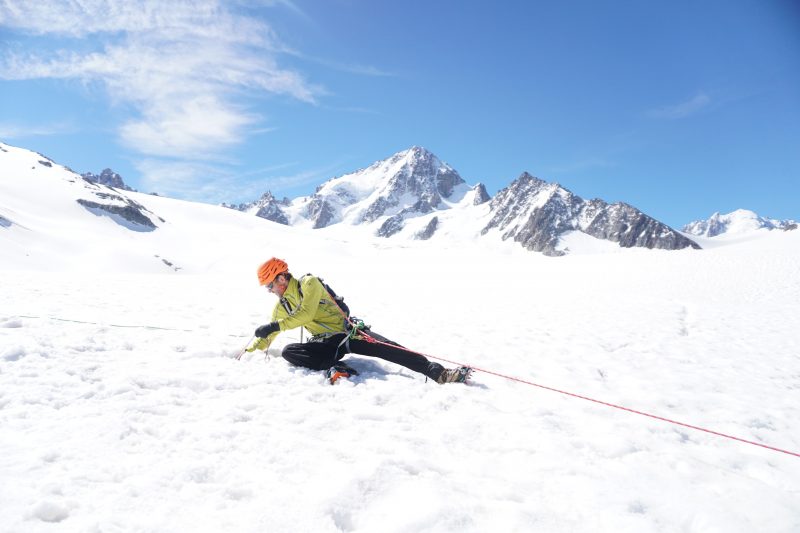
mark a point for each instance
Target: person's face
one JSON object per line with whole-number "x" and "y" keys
{"x": 278, "y": 285}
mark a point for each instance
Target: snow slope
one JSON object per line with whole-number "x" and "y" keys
{"x": 121, "y": 408}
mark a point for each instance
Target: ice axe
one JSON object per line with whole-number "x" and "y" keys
{"x": 239, "y": 355}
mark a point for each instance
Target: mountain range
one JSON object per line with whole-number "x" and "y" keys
{"x": 412, "y": 195}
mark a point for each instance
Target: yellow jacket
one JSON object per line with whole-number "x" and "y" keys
{"x": 305, "y": 303}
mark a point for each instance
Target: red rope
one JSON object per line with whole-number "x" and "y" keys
{"x": 615, "y": 406}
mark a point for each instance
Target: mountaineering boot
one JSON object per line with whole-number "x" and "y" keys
{"x": 455, "y": 375}
{"x": 340, "y": 370}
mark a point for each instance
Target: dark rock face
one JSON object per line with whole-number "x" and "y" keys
{"x": 630, "y": 227}
{"x": 376, "y": 210}
{"x": 272, "y": 212}
{"x": 131, "y": 211}
{"x": 107, "y": 177}
{"x": 269, "y": 209}
{"x": 481, "y": 196}
{"x": 536, "y": 214}
{"x": 391, "y": 226}
{"x": 539, "y": 229}
{"x": 320, "y": 211}
{"x": 429, "y": 230}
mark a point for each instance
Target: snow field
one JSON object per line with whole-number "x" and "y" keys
{"x": 108, "y": 428}
{"x": 121, "y": 408}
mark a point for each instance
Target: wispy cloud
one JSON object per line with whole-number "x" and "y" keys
{"x": 681, "y": 110}
{"x": 361, "y": 70}
{"x": 349, "y": 68}
{"x": 19, "y": 131}
{"x": 269, "y": 179}
{"x": 210, "y": 182}
{"x": 289, "y": 181}
{"x": 181, "y": 66}
{"x": 286, "y": 3}
{"x": 182, "y": 179}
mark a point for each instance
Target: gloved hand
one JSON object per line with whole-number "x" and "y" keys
{"x": 265, "y": 330}
{"x": 260, "y": 344}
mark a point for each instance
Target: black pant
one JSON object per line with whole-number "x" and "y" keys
{"x": 322, "y": 355}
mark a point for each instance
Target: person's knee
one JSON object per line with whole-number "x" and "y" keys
{"x": 293, "y": 353}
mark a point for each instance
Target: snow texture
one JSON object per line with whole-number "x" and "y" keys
{"x": 122, "y": 407}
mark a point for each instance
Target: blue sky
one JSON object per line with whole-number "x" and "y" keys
{"x": 680, "y": 108}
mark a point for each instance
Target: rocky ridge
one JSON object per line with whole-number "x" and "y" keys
{"x": 267, "y": 207}
{"x": 537, "y": 214}
{"x": 414, "y": 183}
{"x": 108, "y": 178}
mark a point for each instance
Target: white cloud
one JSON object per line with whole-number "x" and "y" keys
{"x": 180, "y": 178}
{"x": 209, "y": 18}
{"x": 683, "y": 109}
{"x": 189, "y": 128}
{"x": 181, "y": 66}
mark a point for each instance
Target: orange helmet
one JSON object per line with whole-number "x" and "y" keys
{"x": 270, "y": 270}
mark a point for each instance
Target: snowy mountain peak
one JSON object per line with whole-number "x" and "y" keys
{"x": 406, "y": 184}
{"x": 529, "y": 179}
{"x": 417, "y": 171}
{"x": 481, "y": 195}
{"x": 736, "y": 222}
{"x": 55, "y": 196}
{"x": 416, "y": 153}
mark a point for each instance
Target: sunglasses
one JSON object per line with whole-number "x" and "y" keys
{"x": 272, "y": 284}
